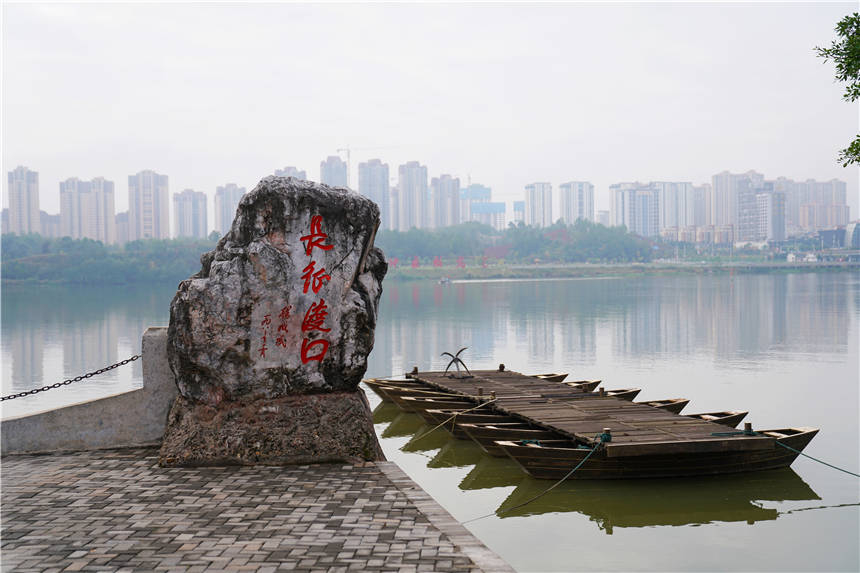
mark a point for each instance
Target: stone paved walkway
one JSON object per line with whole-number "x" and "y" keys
{"x": 117, "y": 510}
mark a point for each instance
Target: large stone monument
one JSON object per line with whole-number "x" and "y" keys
{"x": 269, "y": 341}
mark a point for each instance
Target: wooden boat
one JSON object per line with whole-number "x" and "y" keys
{"x": 730, "y": 418}
{"x": 674, "y": 405}
{"x": 555, "y": 459}
{"x": 625, "y": 394}
{"x": 414, "y": 404}
{"x": 584, "y": 385}
{"x": 551, "y": 377}
{"x": 487, "y": 434}
{"x": 379, "y": 387}
{"x": 451, "y": 419}
{"x": 480, "y": 416}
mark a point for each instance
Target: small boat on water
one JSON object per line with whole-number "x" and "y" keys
{"x": 674, "y": 405}
{"x": 555, "y": 459}
{"x": 416, "y": 403}
{"x": 551, "y": 377}
{"x": 730, "y": 418}
{"x": 486, "y": 435}
{"x": 584, "y": 385}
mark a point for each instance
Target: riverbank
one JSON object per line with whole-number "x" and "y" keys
{"x": 586, "y": 270}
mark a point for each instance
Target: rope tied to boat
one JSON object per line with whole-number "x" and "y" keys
{"x": 778, "y": 443}
{"x": 452, "y": 419}
{"x": 600, "y": 442}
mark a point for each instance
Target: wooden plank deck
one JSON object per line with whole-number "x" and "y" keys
{"x": 637, "y": 429}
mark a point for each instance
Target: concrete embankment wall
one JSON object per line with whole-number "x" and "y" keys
{"x": 132, "y": 418}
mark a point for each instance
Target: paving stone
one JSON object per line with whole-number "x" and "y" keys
{"x": 118, "y": 511}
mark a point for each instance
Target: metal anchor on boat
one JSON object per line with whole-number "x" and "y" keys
{"x": 457, "y": 362}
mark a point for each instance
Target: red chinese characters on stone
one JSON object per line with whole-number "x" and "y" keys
{"x": 316, "y": 236}
{"x": 308, "y": 345}
{"x": 314, "y": 280}
{"x": 267, "y": 320}
{"x": 313, "y": 320}
{"x": 284, "y": 315}
{"x": 315, "y": 316}
{"x": 314, "y": 349}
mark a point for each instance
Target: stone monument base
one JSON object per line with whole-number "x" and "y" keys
{"x": 299, "y": 429}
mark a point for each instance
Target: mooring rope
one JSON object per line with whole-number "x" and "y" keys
{"x": 817, "y": 460}
{"x": 431, "y": 430}
{"x": 546, "y": 491}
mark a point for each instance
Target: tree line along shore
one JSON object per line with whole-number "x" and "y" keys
{"x": 467, "y": 251}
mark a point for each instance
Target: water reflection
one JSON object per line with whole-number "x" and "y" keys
{"x": 50, "y": 333}
{"x": 675, "y": 502}
{"x": 733, "y": 318}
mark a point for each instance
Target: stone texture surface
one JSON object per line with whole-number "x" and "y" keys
{"x": 282, "y": 312}
{"x": 288, "y": 430}
{"x": 119, "y": 511}
{"x": 218, "y": 318}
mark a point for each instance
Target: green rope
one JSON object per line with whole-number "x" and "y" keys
{"x": 546, "y": 491}
{"x": 778, "y": 443}
{"x": 817, "y": 460}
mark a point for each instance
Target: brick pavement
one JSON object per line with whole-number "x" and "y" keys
{"x": 117, "y": 510}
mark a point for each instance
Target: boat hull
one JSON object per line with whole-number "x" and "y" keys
{"x": 556, "y": 462}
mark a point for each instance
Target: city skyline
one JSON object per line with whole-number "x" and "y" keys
{"x": 734, "y": 207}
{"x": 667, "y": 98}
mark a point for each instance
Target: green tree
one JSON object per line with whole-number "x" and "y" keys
{"x": 845, "y": 53}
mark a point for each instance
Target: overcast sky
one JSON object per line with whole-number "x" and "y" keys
{"x": 505, "y": 94}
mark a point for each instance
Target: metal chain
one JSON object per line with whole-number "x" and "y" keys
{"x": 70, "y": 380}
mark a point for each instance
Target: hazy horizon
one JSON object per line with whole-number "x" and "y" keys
{"x": 502, "y": 94}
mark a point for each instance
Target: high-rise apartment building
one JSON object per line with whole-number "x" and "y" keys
{"x": 770, "y": 209}
{"x": 576, "y": 201}
{"x": 373, "y": 184}
{"x": 724, "y": 195}
{"x": 189, "y": 214}
{"x": 444, "y": 201}
{"x": 227, "y": 198}
{"x": 394, "y": 210}
{"x": 23, "y": 202}
{"x": 813, "y": 205}
{"x": 148, "y": 206}
{"x": 676, "y": 204}
{"x": 412, "y": 187}
{"x": 87, "y": 210}
{"x": 701, "y": 205}
{"x": 470, "y": 195}
{"x": 333, "y": 171}
{"x": 489, "y": 213}
{"x": 637, "y": 207}
{"x": 290, "y": 171}
{"x": 538, "y": 205}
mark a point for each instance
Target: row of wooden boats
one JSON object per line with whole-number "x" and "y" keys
{"x": 702, "y": 444}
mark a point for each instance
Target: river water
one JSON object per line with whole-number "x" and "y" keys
{"x": 784, "y": 347}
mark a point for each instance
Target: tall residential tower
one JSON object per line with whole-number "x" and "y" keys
{"x": 148, "y": 206}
